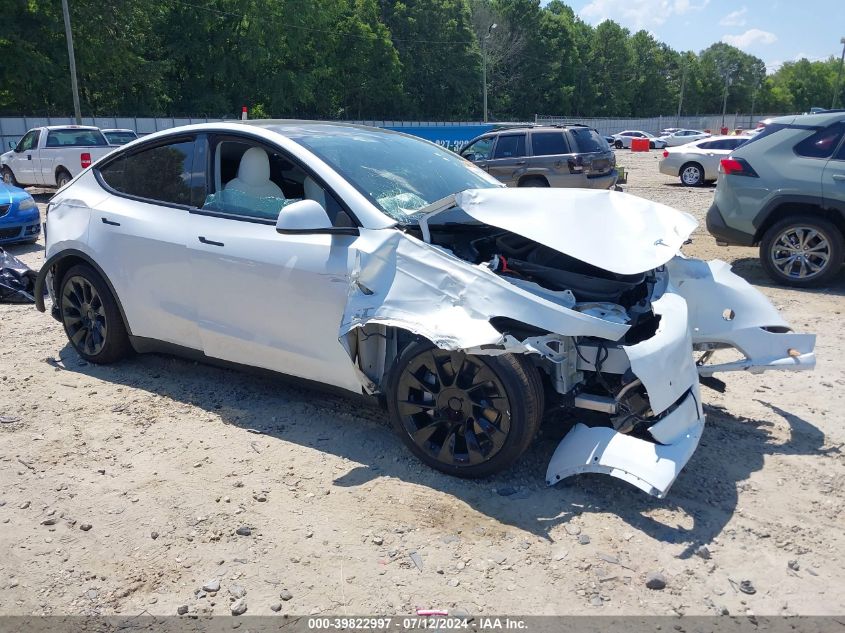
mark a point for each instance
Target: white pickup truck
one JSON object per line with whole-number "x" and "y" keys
{"x": 52, "y": 156}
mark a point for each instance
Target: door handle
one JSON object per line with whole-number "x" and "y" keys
{"x": 109, "y": 222}
{"x": 209, "y": 242}
{"x": 839, "y": 177}
{"x": 29, "y": 156}
{"x": 519, "y": 162}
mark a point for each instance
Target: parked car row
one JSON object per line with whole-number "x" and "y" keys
{"x": 671, "y": 137}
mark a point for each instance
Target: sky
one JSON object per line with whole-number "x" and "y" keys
{"x": 776, "y": 31}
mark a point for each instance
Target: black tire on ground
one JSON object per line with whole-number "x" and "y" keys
{"x": 534, "y": 181}
{"x": 472, "y": 416}
{"x": 651, "y": 144}
{"x": 691, "y": 174}
{"x": 91, "y": 317}
{"x": 62, "y": 178}
{"x": 9, "y": 177}
{"x": 802, "y": 251}
{"x": 618, "y": 145}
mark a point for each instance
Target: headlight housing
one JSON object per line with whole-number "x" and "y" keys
{"x": 28, "y": 203}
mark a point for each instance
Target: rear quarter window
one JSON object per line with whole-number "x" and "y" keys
{"x": 548, "y": 143}
{"x": 588, "y": 141}
{"x": 821, "y": 144}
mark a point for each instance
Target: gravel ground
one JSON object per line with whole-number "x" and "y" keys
{"x": 128, "y": 488}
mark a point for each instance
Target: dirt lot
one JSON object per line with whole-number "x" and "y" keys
{"x": 163, "y": 460}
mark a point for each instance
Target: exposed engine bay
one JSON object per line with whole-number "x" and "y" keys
{"x": 582, "y": 374}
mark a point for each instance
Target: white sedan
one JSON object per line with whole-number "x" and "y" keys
{"x": 698, "y": 162}
{"x": 682, "y": 137}
{"x": 376, "y": 262}
{"x": 623, "y": 139}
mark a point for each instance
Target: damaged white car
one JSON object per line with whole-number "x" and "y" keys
{"x": 370, "y": 260}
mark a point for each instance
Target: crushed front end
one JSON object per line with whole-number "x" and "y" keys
{"x": 613, "y": 319}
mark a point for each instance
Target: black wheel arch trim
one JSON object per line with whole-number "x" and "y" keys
{"x": 763, "y": 215}
{"x": 51, "y": 263}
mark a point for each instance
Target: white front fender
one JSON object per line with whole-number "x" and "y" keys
{"x": 725, "y": 311}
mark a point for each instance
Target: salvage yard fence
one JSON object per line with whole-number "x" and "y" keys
{"x": 655, "y": 125}
{"x": 451, "y": 134}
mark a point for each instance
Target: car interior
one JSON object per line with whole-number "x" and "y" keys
{"x": 252, "y": 181}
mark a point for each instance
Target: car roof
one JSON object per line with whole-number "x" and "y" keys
{"x": 70, "y": 127}
{"x": 117, "y": 129}
{"x": 821, "y": 119}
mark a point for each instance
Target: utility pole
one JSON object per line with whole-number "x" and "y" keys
{"x": 839, "y": 75}
{"x": 728, "y": 72}
{"x": 70, "y": 55}
{"x": 681, "y": 98}
{"x": 484, "y": 65}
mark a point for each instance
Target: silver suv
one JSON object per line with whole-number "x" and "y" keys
{"x": 784, "y": 190}
{"x": 567, "y": 156}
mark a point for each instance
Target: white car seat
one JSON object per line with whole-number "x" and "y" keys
{"x": 254, "y": 176}
{"x": 313, "y": 191}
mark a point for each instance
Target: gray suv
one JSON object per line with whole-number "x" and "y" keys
{"x": 784, "y": 190}
{"x": 566, "y": 156}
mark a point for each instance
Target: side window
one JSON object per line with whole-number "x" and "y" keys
{"x": 29, "y": 141}
{"x": 254, "y": 181}
{"x": 482, "y": 148}
{"x": 548, "y": 143}
{"x": 710, "y": 145}
{"x": 160, "y": 173}
{"x": 510, "y": 146}
{"x": 822, "y": 143}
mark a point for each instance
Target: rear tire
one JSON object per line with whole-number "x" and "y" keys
{"x": 792, "y": 248}
{"x": 9, "y": 177}
{"x": 62, "y": 178}
{"x": 464, "y": 415}
{"x": 692, "y": 175}
{"x": 534, "y": 182}
{"x": 91, "y": 317}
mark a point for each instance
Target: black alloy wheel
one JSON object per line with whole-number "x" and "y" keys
{"x": 462, "y": 414}
{"x": 91, "y": 318}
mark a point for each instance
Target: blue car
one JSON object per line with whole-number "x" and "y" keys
{"x": 20, "y": 220}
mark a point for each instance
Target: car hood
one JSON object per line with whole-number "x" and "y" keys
{"x": 9, "y": 194}
{"x": 614, "y": 231}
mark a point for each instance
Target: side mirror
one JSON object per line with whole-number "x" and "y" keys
{"x": 13, "y": 146}
{"x": 308, "y": 217}
{"x": 471, "y": 157}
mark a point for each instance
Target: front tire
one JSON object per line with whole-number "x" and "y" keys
{"x": 9, "y": 177}
{"x": 802, "y": 251}
{"x": 91, "y": 317}
{"x": 618, "y": 145}
{"x": 464, "y": 415}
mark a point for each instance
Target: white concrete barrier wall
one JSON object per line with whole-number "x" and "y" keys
{"x": 13, "y": 128}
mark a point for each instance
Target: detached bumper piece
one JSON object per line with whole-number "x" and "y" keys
{"x": 650, "y": 466}
{"x": 726, "y": 312}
